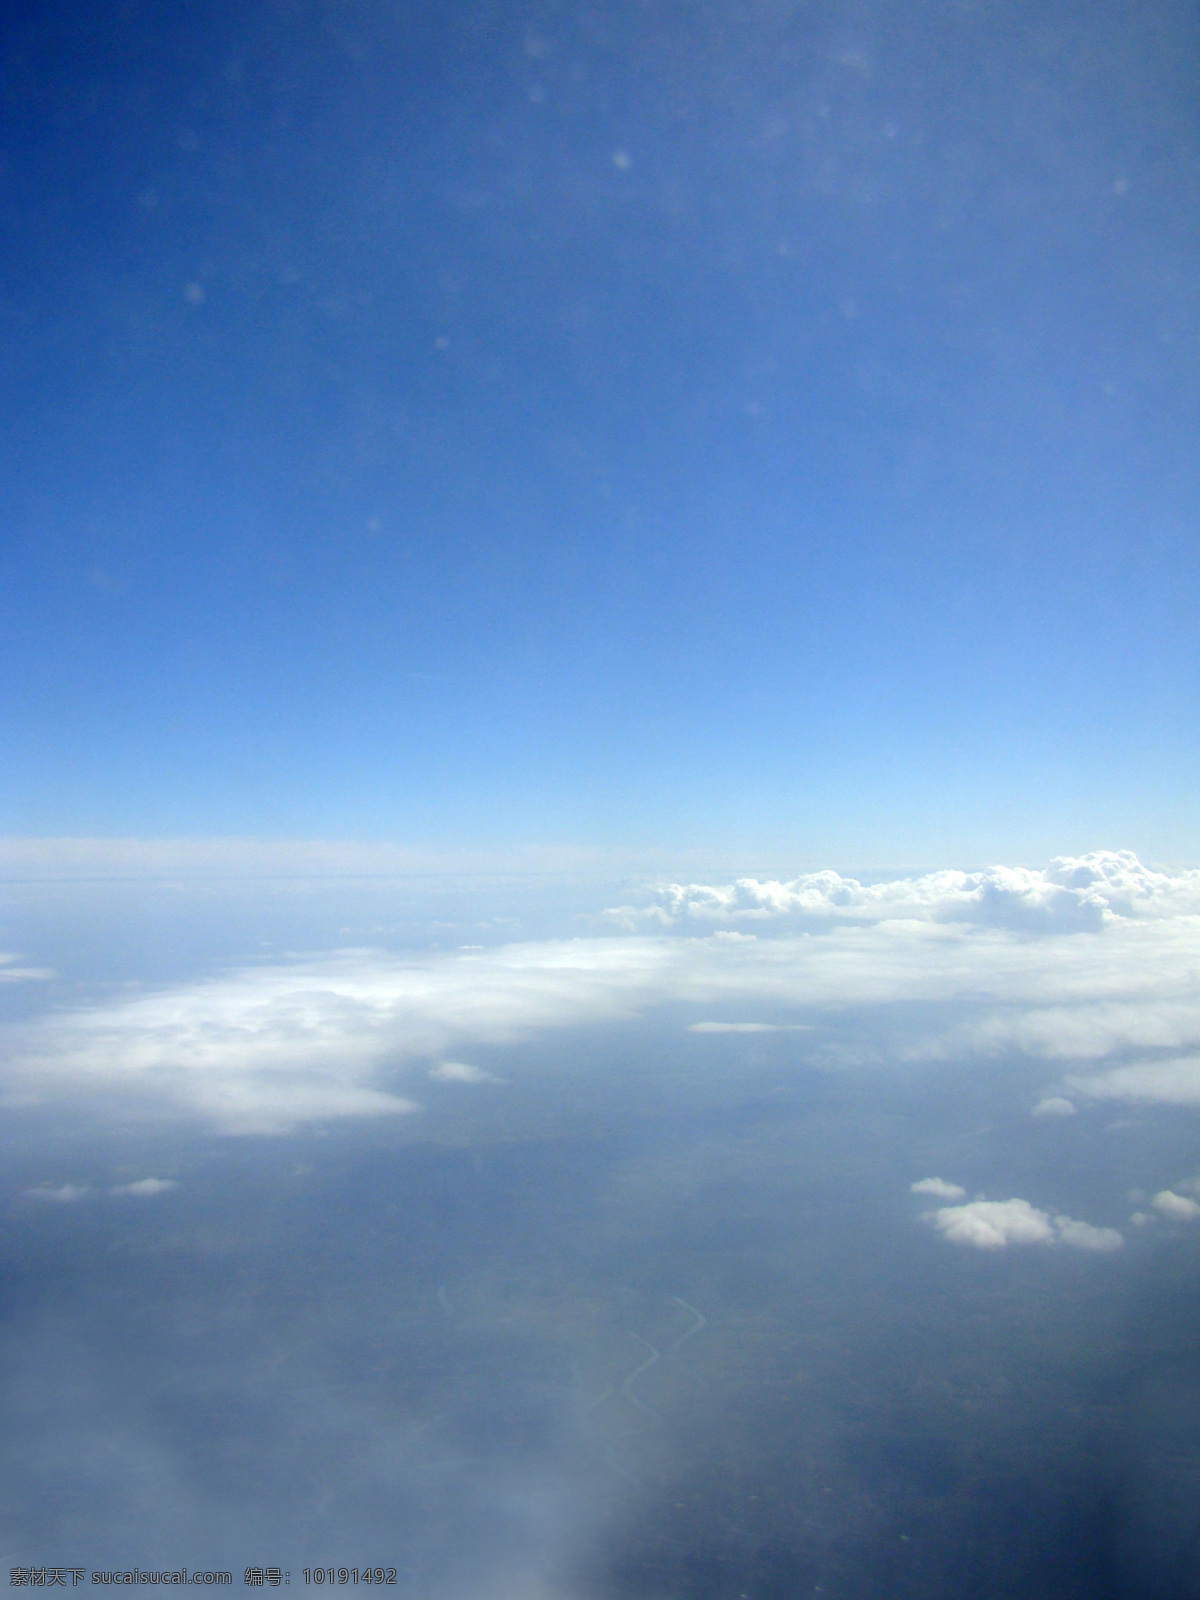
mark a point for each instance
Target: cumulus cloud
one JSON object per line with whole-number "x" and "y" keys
{"x": 993, "y": 1224}
{"x": 269, "y": 1047}
{"x": 996, "y": 1224}
{"x": 1089, "y": 961}
{"x": 64, "y": 1194}
{"x": 145, "y": 1188}
{"x": 1072, "y": 893}
{"x": 1082, "y": 1235}
{"x": 938, "y": 1187}
{"x": 1054, "y": 1105}
{"x": 1176, "y": 1206}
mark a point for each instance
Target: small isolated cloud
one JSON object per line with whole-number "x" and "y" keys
{"x": 938, "y": 1187}
{"x": 145, "y": 1187}
{"x": 1141, "y": 1218}
{"x": 460, "y": 1072}
{"x": 63, "y": 1195}
{"x": 1176, "y": 1206}
{"x": 749, "y": 1027}
{"x": 1053, "y": 1105}
{"x": 1082, "y": 1235}
{"x": 995, "y": 1224}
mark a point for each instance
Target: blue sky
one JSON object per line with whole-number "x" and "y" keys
{"x": 753, "y": 427}
{"x": 498, "y": 499}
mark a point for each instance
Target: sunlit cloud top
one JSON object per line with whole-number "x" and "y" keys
{"x": 1073, "y": 892}
{"x": 1098, "y": 986}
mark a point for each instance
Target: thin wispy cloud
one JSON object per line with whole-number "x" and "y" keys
{"x": 748, "y": 1027}
{"x": 68, "y": 1193}
{"x": 12, "y": 972}
{"x": 144, "y": 1188}
{"x": 460, "y": 1072}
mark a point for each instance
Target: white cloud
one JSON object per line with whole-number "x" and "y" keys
{"x": 1090, "y": 1026}
{"x": 63, "y": 1195}
{"x": 1173, "y": 1082}
{"x": 1053, "y": 1105}
{"x": 938, "y": 1187}
{"x": 269, "y": 1047}
{"x": 460, "y": 1072}
{"x": 145, "y": 1188}
{"x": 1082, "y": 1235}
{"x": 1073, "y": 893}
{"x": 995, "y": 1224}
{"x": 1176, "y": 1206}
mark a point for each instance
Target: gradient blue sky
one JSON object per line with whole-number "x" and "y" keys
{"x": 749, "y": 425}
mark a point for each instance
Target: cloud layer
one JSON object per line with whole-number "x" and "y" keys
{"x": 1090, "y": 966}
